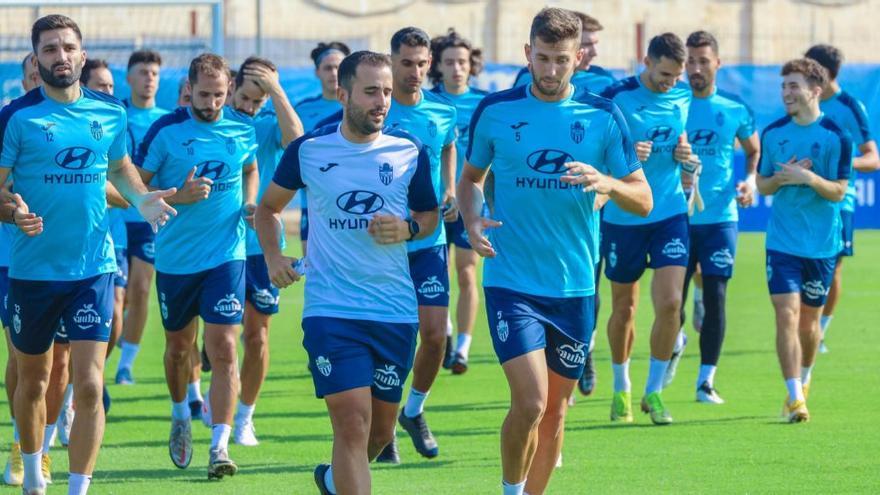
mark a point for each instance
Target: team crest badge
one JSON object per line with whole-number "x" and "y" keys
{"x": 97, "y": 130}
{"x": 577, "y": 132}
{"x": 386, "y": 173}
{"x": 719, "y": 119}
{"x": 323, "y": 365}
{"x": 815, "y": 150}
{"x": 432, "y": 128}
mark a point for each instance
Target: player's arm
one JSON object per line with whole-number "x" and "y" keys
{"x": 631, "y": 192}
{"x": 114, "y": 198}
{"x": 423, "y": 206}
{"x": 250, "y": 184}
{"x": 288, "y": 121}
{"x": 470, "y": 200}
{"x": 448, "y": 160}
{"x": 14, "y": 210}
{"x": 745, "y": 190}
{"x": 267, "y": 222}
{"x": 868, "y": 159}
{"x": 151, "y": 204}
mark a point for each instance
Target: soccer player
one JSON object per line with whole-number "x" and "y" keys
{"x": 61, "y": 144}
{"x": 143, "y": 78}
{"x": 806, "y": 161}
{"x": 327, "y": 57}
{"x": 14, "y": 472}
{"x": 256, "y": 82}
{"x": 655, "y": 105}
{"x": 200, "y": 256}
{"x": 587, "y": 74}
{"x": 370, "y": 191}
{"x": 571, "y": 146}
{"x": 451, "y": 70}
{"x": 716, "y": 120}
{"x": 849, "y": 114}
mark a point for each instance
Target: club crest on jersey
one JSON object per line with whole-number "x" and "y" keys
{"x": 675, "y": 249}
{"x": 230, "y": 146}
{"x": 228, "y": 306}
{"x": 502, "y": 328}
{"x": 431, "y": 288}
{"x": 577, "y": 131}
{"x": 16, "y": 319}
{"x": 386, "y": 377}
{"x": 86, "y": 317}
{"x": 432, "y": 129}
{"x": 571, "y": 356}
{"x": 722, "y": 258}
{"x": 814, "y": 289}
{"x": 97, "y": 130}
{"x": 162, "y": 306}
{"x": 719, "y": 118}
{"x": 386, "y": 173}
{"x": 323, "y": 365}
{"x": 815, "y": 150}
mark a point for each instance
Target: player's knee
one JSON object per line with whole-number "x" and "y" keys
{"x": 88, "y": 392}
{"x": 434, "y": 339}
{"x": 528, "y": 412}
{"x": 467, "y": 276}
{"x": 668, "y": 305}
{"x": 352, "y": 426}
{"x": 623, "y": 309}
{"x": 138, "y": 289}
{"x": 257, "y": 340}
{"x": 381, "y": 437}
{"x": 178, "y": 350}
{"x": 223, "y": 355}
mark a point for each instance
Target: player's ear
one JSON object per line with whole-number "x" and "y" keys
{"x": 527, "y": 49}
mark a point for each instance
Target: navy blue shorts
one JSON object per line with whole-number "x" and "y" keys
{"x": 521, "y": 323}
{"x": 848, "y": 233}
{"x": 304, "y": 225}
{"x": 456, "y": 233}
{"x": 348, "y": 354}
{"x": 216, "y": 295}
{"x": 713, "y": 246}
{"x": 120, "y": 279}
{"x": 141, "y": 241}
{"x": 630, "y": 249}
{"x": 4, "y": 295}
{"x": 787, "y": 274}
{"x": 84, "y": 308}
{"x": 258, "y": 289}
{"x": 429, "y": 270}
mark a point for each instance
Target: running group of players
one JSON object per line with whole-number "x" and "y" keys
{"x": 547, "y": 181}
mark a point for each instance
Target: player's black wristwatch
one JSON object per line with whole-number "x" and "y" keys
{"x": 414, "y": 228}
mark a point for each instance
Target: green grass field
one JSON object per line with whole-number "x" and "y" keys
{"x": 739, "y": 447}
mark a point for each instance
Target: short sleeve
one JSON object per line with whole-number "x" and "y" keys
{"x": 421, "y": 195}
{"x": 841, "y": 163}
{"x": 10, "y": 139}
{"x": 765, "y": 165}
{"x": 861, "y": 116}
{"x": 151, "y": 153}
{"x": 620, "y": 153}
{"x": 288, "y": 174}
{"x": 119, "y": 147}
{"x": 480, "y": 152}
{"x": 746, "y": 124}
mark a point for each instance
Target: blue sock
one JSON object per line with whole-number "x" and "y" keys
{"x": 656, "y": 372}
{"x": 415, "y": 403}
{"x": 328, "y": 480}
{"x": 180, "y": 410}
{"x": 513, "y": 488}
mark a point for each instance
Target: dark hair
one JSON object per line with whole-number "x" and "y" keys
{"x": 319, "y": 51}
{"x": 349, "y": 65}
{"x": 588, "y": 22}
{"x": 90, "y": 65}
{"x": 553, "y": 25}
{"x": 24, "y": 62}
{"x": 450, "y": 40}
{"x": 144, "y": 57}
{"x": 667, "y": 45}
{"x": 828, "y": 56}
{"x": 410, "y": 36}
{"x": 252, "y": 60}
{"x": 207, "y": 63}
{"x": 813, "y": 72}
{"x": 699, "y": 39}
{"x": 52, "y": 22}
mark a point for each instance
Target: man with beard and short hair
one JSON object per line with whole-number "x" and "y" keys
{"x": 62, "y": 144}
{"x": 370, "y": 191}
{"x": 200, "y": 256}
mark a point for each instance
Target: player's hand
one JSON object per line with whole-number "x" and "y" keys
{"x": 194, "y": 189}
{"x": 683, "y": 150}
{"x": 388, "y": 229}
{"x": 643, "y": 150}
{"x": 27, "y": 222}
{"x": 479, "y": 242}
{"x": 450, "y": 207}
{"x": 587, "y": 176}
{"x": 154, "y": 209}
{"x": 795, "y": 174}
{"x": 264, "y": 77}
{"x": 687, "y": 180}
{"x": 247, "y": 212}
{"x": 745, "y": 193}
{"x": 281, "y": 272}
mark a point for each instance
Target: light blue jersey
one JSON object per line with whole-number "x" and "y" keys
{"x": 208, "y": 233}
{"x": 547, "y": 242}
{"x": 660, "y": 118}
{"x": 850, "y": 115}
{"x": 139, "y": 122}
{"x": 59, "y": 155}
{"x": 311, "y": 111}
{"x": 350, "y": 275}
{"x": 117, "y": 227}
{"x": 714, "y": 124}
{"x": 6, "y": 233}
{"x": 595, "y": 79}
{"x": 465, "y": 104}
{"x": 802, "y": 223}
{"x": 269, "y": 151}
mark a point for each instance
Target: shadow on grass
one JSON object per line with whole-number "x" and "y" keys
{"x": 685, "y": 423}
{"x": 194, "y": 474}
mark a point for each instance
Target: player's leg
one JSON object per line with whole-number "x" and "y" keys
{"x": 818, "y": 274}
{"x": 120, "y": 281}
{"x": 56, "y": 406}
{"x": 14, "y": 471}
{"x": 466, "y": 307}
{"x": 666, "y": 290}
{"x": 550, "y": 433}
{"x": 87, "y": 432}
{"x": 197, "y": 406}
{"x": 350, "y": 416}
{"x": 527, "y": 378}
{"x": 137, "y": 306}
{"x": 692, "y": 274}
{"x": 837, "y": 283}
{"x": 304, "y": 227}
{"x": 712, "y": 336}
{"x": 587, "y": 382}
{"x": 30, "y": 411}
{"x": 699, "y": 310}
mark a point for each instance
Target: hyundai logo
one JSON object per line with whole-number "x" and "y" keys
{"x": 549, "y": 161}
{"x": 703, "y": 137}
{"x": 360, "y": 202}
{"x": 659, "y": 133}
{"x": 212, "y": 169}
{"x": 75, "y": 158}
